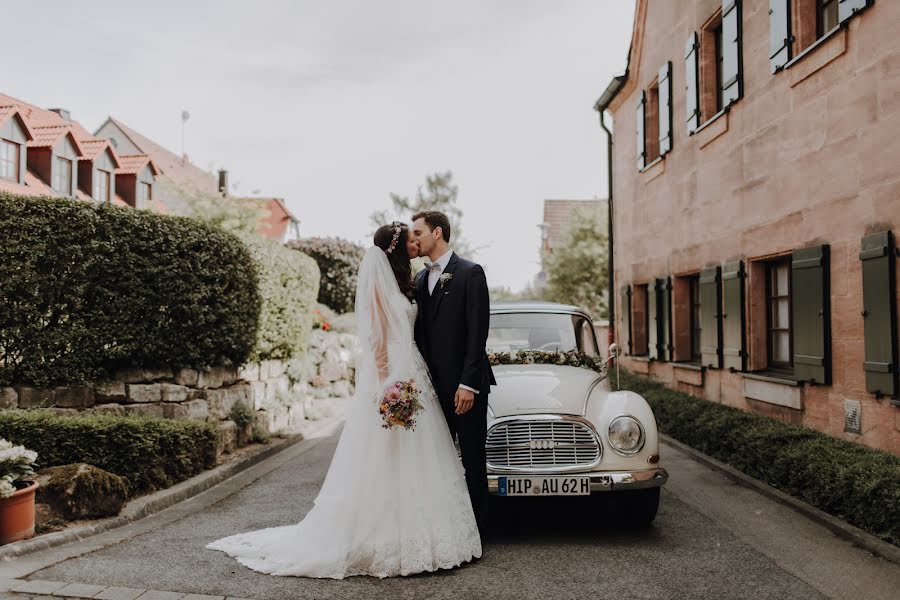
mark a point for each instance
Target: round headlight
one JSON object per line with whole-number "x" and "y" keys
{"x": 626, "y": 435}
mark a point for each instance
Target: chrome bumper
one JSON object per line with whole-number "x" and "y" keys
{"x": 600, "y": 481}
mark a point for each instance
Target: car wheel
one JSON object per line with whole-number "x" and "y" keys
{"x": 639, "y": 506}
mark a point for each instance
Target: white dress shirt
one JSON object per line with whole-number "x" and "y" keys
{"x": 433, "y": 276}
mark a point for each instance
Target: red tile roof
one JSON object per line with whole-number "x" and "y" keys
{"x": 131, "y": 164}
{"x": 32, "y": 186}
{"x": 9, "y": 111}
{"x": 48, "y": 136}
{"x": 177, "y": 168}
{"x": 93, "y": 147}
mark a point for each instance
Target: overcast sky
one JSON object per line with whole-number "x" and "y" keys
{"x": 333, "y": 104}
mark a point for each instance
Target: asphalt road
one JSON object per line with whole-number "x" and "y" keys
{"x": 711, "y": 539}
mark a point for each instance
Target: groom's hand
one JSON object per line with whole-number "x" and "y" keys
{"x": 464, "y": 401}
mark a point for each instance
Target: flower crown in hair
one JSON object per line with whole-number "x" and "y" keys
{"x": 398, "y": 227}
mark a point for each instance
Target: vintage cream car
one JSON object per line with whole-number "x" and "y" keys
{"x": 561, "y": 430}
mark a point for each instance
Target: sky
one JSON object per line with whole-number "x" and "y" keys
{"x": 332, "y": 105}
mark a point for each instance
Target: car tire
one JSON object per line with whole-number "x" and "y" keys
{"x": 639, "y": 506}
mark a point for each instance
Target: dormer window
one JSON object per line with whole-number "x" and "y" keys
{"x": 10, "y": 153}
{"x": 62, "y": 176}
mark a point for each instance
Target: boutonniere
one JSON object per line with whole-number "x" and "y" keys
{"x": 445, "y": 277}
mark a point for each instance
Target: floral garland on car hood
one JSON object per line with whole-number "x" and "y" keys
{"x": 571, "y": 358}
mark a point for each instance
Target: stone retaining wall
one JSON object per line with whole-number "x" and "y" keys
{"x": 279, "y": 401}
{"x": 331, "y": 364}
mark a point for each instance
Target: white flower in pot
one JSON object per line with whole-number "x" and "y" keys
{"x": 16, "y": 466}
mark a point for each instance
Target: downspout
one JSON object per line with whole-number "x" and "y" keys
{"x": 611, "y": 298}
{"x": 600, "y": 106}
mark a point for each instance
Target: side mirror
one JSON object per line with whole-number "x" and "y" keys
{"x": 613, "y": 352}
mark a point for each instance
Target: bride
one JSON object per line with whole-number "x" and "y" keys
{"x": 394, "y": 501}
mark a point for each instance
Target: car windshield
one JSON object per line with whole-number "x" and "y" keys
{"x": 547, "y": 332}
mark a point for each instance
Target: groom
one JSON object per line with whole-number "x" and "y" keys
{"x": 451, "y": 333}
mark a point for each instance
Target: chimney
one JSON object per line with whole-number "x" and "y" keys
{"x": 223, "y": 182}
{"x": 62, "y": 113}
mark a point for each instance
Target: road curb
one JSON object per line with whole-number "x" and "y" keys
{"x": 840, "y": 528}
{"x": 148, "y": 505}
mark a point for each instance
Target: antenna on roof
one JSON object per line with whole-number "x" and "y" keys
{"x": 185, "y": 115}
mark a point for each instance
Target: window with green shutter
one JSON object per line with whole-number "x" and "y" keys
{"x": 811, "y": 314}
{"x": 653, "y": 322}
{"x": 879, "y": 313}
{"x": 625, "y": 315}
{"x": 795, "y": 26}
{"x": 660, "y": 310}
{"x": 710, "y": 318}
{"x": 734, "y": 355}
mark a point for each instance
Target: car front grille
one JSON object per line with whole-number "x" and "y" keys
{"x": 542, "y": 445}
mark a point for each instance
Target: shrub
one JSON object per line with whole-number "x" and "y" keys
{"x": 241, "y": 415}
{"x": 288, "y": 284}
{"x": 338, "y": 262}
{"x": 150, "y": 453}
{"x": 854, "y": 483}
{"x": 87, "y": 288}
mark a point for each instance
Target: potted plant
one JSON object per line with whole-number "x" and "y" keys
{"x": 16, "y": 492}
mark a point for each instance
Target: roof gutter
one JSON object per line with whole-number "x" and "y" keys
{"x": 611, "y": 91}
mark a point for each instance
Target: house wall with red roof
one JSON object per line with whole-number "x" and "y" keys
{"x": 53, "y": 135}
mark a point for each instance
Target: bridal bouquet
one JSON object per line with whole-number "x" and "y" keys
{"x": 400, "y": 404}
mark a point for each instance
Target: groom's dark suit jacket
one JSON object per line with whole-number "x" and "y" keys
{"x": 452, "y": 329}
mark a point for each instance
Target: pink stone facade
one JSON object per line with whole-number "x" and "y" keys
{"x": 808, "y": 155}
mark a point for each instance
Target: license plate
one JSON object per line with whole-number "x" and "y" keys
{"x": 544, "y": 486}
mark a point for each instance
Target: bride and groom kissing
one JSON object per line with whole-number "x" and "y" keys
{"x": 398, "y": 501}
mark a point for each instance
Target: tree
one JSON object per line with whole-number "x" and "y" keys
{"x": 216, "y": 209}
{"x": 438, "y": 193}
{"x": 577, "y": 271}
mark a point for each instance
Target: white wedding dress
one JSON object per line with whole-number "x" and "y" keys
{"x": 394, "y": 502}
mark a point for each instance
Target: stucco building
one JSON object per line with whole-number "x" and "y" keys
{"x": 756, "y": 198}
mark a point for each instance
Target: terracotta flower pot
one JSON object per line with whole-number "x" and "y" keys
{"x": 17, "y": 515}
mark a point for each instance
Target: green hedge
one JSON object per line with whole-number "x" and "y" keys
{"x": 338, "y": 262}
{"x": 86, "y": 288}
{"x": 288, "y": 286}
{"x": 850, "y": 481}
{"x": 150, "y": 453}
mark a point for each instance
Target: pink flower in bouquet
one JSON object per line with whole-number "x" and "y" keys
{"x": 400, "y": 404}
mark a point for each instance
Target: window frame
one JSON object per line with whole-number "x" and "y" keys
{"x": 15, "y": 162}
{"x": 142, "y": 187}
{"x": 771, "y": 266}
{"x": 821, "y": 7}
{"x": 105, "y": 177}
{"x": 651, "y": 125}
{"x": 62, "y": 161}
{"x": 718, "y": 31}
